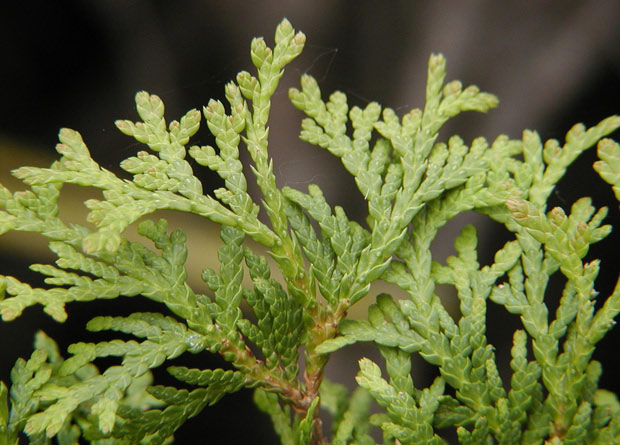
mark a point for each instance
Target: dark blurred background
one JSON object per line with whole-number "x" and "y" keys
{"x": 78, "y": 64}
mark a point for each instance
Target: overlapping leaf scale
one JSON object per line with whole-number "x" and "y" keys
{"x": 36, "y": 210}
{"x": 394, "y": 332}
{"x": 446, "y": 167}
{"x": 365, "y": 165}
{"x": 534, "y": 274}
{"x": 523, "y": 384}
{"x": 348, "y": 243}
{"x": 416, "y": 281}
{"x": 608, "y": 167}
{"x": 319, "y": 252}
{"x": 132, "y": 270}
{"x": 463, "y": 270}
{"x": 154, "y": 327}
{"x": 260, "y": 333}
{"x": 424, "y": 310}
{"x": 317, "y": 207}
{"x": 27, "y": 377}
{"x": 279, "y": 324}
{"x": 413, "y": 185}
{"x": 304, "y": 430}
{"x": 567, "y": 240}
{"x": 578, "y": 430}
{"x": 328, "y": 129}
{"x": 397, "y": 362}
{"x": 156, "y": 426}
{"x": 442, "y": 171}
{"x": 165, "y": 181}
{"x": 217, "y": 380}
{"x": 412, "y": 142}
{"x": 479, "y": 434}
{"x": 164, "y": 276}
{"x": 75, "y": 166}
{"x": 348, "y": 240}
{"x": 167, "y": 282}
{"x": 227, "y": 285}
{"x": 56, "y": 390}
{"x": 226, "y": 129}
{"x": 173, "y": 171}
{"x": 125, "y": 201}
{"x": 326, "y": 125}
{"x": 543, "y": 165}
{"x": 465, "y": 360}
{"x": 270, "y": 63}
{"x": 107, "y": 390}
{"x": 472, "y": 369}
{"x": 111, "y": 284}
{"x": 557, "y": 159}
{"x": 410, "y": 422}
{"x": 289, "y": 328}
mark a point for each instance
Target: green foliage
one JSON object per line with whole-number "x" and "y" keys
{"x": 413, "y": 183}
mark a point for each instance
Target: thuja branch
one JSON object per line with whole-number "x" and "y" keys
{"x": 413, "y": 181}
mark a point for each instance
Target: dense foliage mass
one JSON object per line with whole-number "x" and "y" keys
{"x": 412, "y": 183}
